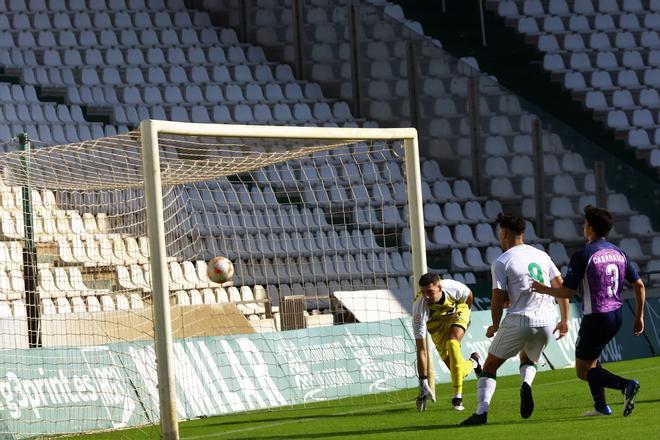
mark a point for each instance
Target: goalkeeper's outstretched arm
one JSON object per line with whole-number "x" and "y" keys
{"x": 425, "y": 391}
{"x": 422, "y": 358}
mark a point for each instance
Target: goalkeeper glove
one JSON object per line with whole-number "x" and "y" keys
{"x": 425, "y": 393}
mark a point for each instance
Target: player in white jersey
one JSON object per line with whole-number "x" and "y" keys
{"x": 530, "y": 319}
{"x": 443, "y": 308}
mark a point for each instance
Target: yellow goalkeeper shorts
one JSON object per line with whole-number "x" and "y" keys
{"x": 441, "y": 334}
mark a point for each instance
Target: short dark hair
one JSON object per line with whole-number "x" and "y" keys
{"x": 428, "y": 278}
{"x": 511, "y": 222}
{"x": 599, "y": 219}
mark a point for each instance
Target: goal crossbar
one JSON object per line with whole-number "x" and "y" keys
{"x": 277, "y": 132}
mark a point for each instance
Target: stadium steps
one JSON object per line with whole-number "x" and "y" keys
{"x": 518, "y": 66}
{"x": 441, "y": 257}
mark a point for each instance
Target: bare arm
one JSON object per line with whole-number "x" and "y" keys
{"x": 496, "y": 308}
{"x": 422, "y": 366}
{"x": 557, "y": 292}
{"x": 425, "y": 391}
{"x": 562, "y": 325}
{"x": 469, "y": 299}
{"x": 640, "y": 298}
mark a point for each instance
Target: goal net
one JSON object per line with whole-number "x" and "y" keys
{"x": 109, "y": 319}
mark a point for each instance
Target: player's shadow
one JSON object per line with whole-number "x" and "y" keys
{"x": 615, "y": 405}
{"x": 350, "y": 434}
{"x": 297, "y": 416}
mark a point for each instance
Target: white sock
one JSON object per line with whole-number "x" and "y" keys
{"x": 527, "y": 373}
{"x": 458, "y": 396}
{"x": 485, "y": 390}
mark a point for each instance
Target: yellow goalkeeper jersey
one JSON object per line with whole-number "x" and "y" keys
{"x": 433, "y": 317}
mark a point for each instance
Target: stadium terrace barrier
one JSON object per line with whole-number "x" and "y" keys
{"x": 113, "y": 386}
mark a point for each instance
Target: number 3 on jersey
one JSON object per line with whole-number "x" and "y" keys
{"x": 535, "y": 272}
{"x": 612, "y": 271}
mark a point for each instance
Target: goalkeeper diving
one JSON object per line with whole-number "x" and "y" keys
{"x": 443, "y": 308}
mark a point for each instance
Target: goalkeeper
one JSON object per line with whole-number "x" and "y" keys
{"x": 443, "y": 308}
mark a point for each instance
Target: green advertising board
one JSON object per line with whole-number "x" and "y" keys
{"x": 66, "y": 390}
{"x": 60, "y": 390}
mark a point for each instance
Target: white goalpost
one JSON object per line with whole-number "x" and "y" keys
{"x": 110, "y": 320}
{"x": 150, "y": 130}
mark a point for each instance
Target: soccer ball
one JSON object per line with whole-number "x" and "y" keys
{"x": 220, "y": 269}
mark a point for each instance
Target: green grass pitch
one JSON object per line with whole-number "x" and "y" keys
{"x": 560, "y": 399}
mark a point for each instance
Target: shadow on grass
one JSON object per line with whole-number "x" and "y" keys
{"x": 352, "y": 434}
{"x": 299, "y": 417}
{"x": 616, "y": 414}
{"x": 308, "y": 416}
{"x": 470, "y": 431}
{"x": 614, "y": 402}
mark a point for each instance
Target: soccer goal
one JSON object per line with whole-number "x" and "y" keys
{"x": 110, "y": 319}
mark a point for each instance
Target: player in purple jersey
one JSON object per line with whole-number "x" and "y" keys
{"x": 598, "y": 270}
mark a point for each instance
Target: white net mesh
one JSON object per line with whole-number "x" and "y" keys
{"x": 316, "y": 231}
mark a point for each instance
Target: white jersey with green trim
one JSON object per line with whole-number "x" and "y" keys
{"x": 513, "y": 272}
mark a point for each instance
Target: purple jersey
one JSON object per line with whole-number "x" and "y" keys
{"x": 598, "y": 270}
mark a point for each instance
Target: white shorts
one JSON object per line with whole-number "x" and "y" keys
{"x": 510, "y": 340}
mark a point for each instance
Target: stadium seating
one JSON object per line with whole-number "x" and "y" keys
{"x": 383, "y": 80}
{"x": 606, "y": 52}
{"x": 165, "y": 61}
